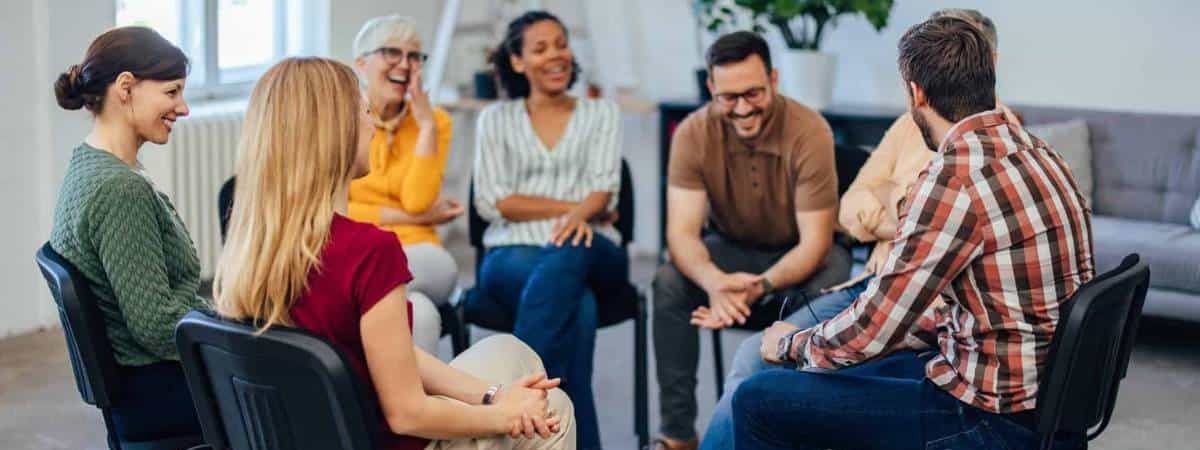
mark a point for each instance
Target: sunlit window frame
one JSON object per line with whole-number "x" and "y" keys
{"x": 198, "y": 36}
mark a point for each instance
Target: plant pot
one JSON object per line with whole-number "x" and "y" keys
{"x": 807, "y": 77}
{"x": 702, "y": 85}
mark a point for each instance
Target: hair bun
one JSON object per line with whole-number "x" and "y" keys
{"x": 66, "y": 89}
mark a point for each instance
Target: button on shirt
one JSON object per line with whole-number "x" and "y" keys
{"x": 756, "y": 186}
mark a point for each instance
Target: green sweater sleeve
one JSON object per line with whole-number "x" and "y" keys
{"x": 129, "y": 242}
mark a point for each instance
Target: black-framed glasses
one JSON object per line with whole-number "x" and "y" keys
{"x": 754, "y": 95}
{"x": 784, "y": 312}
{"x": 393, "y": 55}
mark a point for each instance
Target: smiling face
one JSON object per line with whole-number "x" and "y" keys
{"x": 545, "y": 58}
{"x": 153, "y": 106}
{"x": 388, "y": 71}
{"x": 742, "y": 92}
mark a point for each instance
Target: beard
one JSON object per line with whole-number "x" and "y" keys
{"x": 926, "y": 132}
{"x": 754, "y": 112}
{"x": 732, "y": 117}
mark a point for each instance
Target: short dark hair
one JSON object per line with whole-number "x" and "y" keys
{"x": 736, "y": 47}
{"x": 951, "y": 60}
{"x": 138, "y": 50}
{"x": 977, "y": 18}
{"x": 515, "y": 84}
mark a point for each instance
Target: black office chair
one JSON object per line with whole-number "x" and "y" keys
{"x": 91, "y": 354}
{"x": 282, "y": 389}
{"x": 451, "y": 324}
{"x": 476, "y": 309}
{"x": 848, "y": 161}
{"x": 225, "y": 205}
{"x": 1089, "y": 355}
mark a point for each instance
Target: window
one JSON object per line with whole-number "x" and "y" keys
{"x": 232, "y": 42}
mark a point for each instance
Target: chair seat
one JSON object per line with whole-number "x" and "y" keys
{"x": 481, "y": 310}
{"x": 183, "y": 442}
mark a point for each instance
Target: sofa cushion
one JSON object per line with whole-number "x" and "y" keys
{"x": 1070, "y": 140}
{"x": 1172, "y": 251}
{"x": 1145, "y": 166}
{"x": 1196, "y": 215}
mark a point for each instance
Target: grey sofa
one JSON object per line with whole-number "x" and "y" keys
{"x": 1146, "y": 171}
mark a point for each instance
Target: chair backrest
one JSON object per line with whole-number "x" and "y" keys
{"x": 87, "y": 341}
{"x": 225, "y": 205}
{"x": 848, "y": 161}
{"x": 1090, "y": 351}
{"x": 625, "y": 210}
{"x": 281, "y": 389}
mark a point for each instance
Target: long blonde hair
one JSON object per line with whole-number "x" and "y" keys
{"x": 295, "y": 156}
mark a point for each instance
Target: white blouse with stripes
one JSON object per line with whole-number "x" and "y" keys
{"x": 511, "y": 159}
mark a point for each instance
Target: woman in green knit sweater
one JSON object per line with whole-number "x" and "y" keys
{"x": 121, "y": 233}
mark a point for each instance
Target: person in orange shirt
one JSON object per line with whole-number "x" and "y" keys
{"x": 402, "y": 191}
{"x": 868, "y": 212}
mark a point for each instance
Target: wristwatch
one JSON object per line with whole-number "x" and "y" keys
{"x": 490, "y": 395}
{"x": 783, "y": 351}
{"x": 766, "y": 285}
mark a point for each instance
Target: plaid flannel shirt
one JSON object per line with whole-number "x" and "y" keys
{"x": 996, "y": 226}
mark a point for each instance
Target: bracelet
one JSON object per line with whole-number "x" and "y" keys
{"x": 490, "y": 395}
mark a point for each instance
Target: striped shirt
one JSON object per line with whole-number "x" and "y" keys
{"x": 997, "y": 226}
{"x": 511, "y": 159}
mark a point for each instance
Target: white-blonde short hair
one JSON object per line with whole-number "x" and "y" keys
{"x": 379, "y": 30}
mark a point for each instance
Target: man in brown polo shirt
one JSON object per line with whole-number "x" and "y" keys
{"x": 759, "y": 169}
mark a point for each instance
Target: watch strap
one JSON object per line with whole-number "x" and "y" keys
{"x": 785, "y": 345}
{"x": 490, "y": 395}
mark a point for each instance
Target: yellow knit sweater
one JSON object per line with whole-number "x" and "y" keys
{"x": 401, "y": 179}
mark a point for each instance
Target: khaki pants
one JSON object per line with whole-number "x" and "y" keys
{"x": 502, "y": 359}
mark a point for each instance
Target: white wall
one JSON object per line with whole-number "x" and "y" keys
{"x": 19, "y": 305}
{"x": 41, "y": 38}
{"x": 347, "y": 16}
{"x": 1103, "y": 54}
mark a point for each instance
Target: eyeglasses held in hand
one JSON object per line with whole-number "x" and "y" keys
{"x": 783, "y": 308}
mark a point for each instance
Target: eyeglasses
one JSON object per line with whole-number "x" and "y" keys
{"x": 784, "y": 312}
{"x": 753, "y": 95}
{"x": 393, "y": 55}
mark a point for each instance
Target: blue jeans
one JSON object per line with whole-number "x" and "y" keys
{"x": 747, "y": 361}
{"x": 882, "y": 404}
{"x": 553, "y": 293}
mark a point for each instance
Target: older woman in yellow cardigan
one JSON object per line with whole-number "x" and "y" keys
{"x": 402, "y": 193}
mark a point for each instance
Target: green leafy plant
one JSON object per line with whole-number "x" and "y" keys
{"x": 803, "y": 23}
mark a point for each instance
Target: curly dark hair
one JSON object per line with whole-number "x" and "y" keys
{"x": 515, "y": 84}
{"x": 138, "y": 50}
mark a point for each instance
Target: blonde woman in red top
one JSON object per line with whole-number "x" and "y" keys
{"x": 293, "y": 258}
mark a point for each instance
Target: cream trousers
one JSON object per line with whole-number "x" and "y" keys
{"x": 502, "y": 359}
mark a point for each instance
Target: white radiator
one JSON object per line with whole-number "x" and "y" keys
{"x": 191, "y": 167}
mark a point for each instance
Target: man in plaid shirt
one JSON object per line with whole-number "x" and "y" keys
{"x": 996, "y": 226}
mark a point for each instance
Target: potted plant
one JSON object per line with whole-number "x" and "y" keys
{"x": 806, "y": 73}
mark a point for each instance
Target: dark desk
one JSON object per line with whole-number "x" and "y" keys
{"x": 853, "y": 126}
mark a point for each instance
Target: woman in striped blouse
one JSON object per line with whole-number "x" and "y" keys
{"x": 547, "y": 171}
